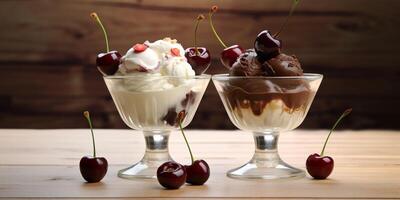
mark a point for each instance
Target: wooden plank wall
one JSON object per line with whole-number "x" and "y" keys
{"x": 48, "y": 49}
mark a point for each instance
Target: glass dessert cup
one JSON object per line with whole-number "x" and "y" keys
{"x": 152, "y": 104}
{"x": 267, "y": 106}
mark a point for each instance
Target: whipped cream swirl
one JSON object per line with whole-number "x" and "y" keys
{"x": 160, "y": 65}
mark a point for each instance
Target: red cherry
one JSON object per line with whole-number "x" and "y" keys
{"x": 266, "y": 46}
{"x": 108, "y": 63}
{"x": 200, "y": 60}
{"x": 230, "y": 54}
{"x": 171, "y": 175}
{"x": 319, "y": 167}
{"x": 175, "y": 52}
{"x": 198, "y": 172}
{"x": 139, "y": 48}
{"x": 93, "y": 169}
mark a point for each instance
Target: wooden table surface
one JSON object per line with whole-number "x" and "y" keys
{"x": 44, "y": 164}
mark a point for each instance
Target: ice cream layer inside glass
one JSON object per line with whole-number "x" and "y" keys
{"x": 153, "y": 85}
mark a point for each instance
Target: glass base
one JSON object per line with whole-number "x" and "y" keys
{"x": 278, "y": 171}
{"x": 155, "y": 155}
{"x": 266, "y": 162}
{"x": 142, "y": 170}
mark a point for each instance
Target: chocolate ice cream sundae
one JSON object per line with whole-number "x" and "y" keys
{"x": 272, "y": 101}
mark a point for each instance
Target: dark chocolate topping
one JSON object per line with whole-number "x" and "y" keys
{"x": 257, "y": 93}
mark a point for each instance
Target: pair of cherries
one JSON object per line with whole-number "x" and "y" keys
{"x": 172, "y": 175}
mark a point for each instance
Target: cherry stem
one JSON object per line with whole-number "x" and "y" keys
{"x": 97, "y": 18}
{"x": 295, "y": 2}
{"x": 210, "y": 14}
{"x": 87, "y": 116}
{"x": 345, "y": 113}
{"x": 198, "y": 19}
{"x": 187, "y": 143}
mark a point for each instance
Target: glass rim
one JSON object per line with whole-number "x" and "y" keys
{"x": 305, "y": 76}
{"x": 202, "y": 76}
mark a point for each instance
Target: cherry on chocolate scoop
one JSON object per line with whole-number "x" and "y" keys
{"x": 318, "y": 165}
{"x": 266, "y": 46}
{"x": 171, "y": 175}
{"x": 107, "y": 63}
{"x": 198, "y": 57}
{"x": 199, "y": 171}
{"x": 93, "y": 169}
{"x": 230, "y": 54}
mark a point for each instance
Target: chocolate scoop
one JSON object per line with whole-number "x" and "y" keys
{"x": 247, "y": 64}
{"x": 285, "y": 65}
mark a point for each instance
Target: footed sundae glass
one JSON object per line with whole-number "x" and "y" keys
{"x": 266, "y": 106}
{"x": 152, "y": 104}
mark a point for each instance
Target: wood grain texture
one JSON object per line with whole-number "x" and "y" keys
{"x": 43, "y": 164}
{"x": 48, "y": 51}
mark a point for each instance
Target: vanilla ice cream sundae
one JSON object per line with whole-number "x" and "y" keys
{"x": 155, "y": 84}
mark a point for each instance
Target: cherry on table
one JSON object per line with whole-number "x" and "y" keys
{"x": 318, "y": 165}
{"x": 198, "y": 172}
{"x": 171, "y": 175}
{"x": 92, "y": 168}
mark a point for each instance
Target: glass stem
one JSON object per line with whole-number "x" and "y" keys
{"x": 266, "y": 149}
{"x": 156, "y": 145}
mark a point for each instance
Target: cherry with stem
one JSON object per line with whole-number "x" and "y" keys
{"x": 107, "y": 63}
{"x": 92, "y": 168}
{"x": 230, "y": 54}
{"x": 198, "y": 57}
{"x": 199, "y": 171}
{"x": 320, "y": 166}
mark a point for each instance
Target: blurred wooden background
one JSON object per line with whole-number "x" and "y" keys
{"x": 48, "y": 51}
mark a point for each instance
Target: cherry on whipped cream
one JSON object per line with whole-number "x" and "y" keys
{"x": 198, "y": 57}
{"x": 107, "y": 63}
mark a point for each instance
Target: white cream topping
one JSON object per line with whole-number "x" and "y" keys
{"x": 161, "y": 59}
